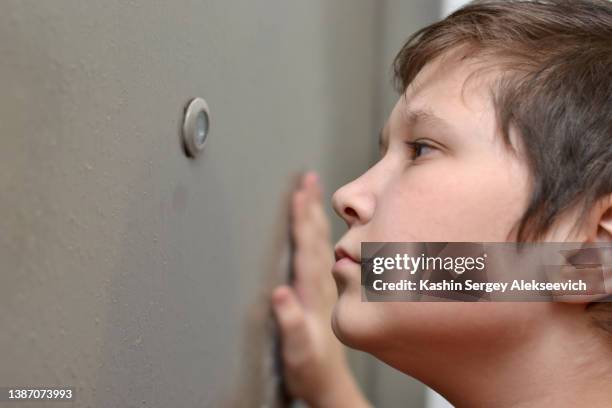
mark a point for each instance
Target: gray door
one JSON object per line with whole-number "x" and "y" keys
{"x": 129, "y": 271}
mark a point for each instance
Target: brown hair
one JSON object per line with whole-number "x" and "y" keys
{"x": 554, "y": 89}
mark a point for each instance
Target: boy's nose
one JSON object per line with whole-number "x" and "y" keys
{"x": 353, "y": 204}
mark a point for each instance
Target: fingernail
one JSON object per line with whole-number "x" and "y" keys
{"x": 280, "y": 297}
{"x": 311, "y": 178}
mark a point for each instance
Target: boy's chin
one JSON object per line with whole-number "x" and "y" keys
{"x": 354, "y": 323}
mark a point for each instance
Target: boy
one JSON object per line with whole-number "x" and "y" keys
{"x": 502, "y": 133}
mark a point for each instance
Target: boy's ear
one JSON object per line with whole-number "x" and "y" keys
{"x": 605, "y": 227}
{"x": 601, "y": 221}
{"x": 603, "y": 234}
{"x": 597, "y": 229}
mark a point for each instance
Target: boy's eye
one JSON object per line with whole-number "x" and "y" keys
{"x": 418, "y": 149}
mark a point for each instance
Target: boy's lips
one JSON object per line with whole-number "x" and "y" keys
{"x": 342, "y": 254}
{"x": 348, "y": 262}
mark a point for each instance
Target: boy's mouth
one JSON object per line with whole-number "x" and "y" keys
{"x": 340, "y": 253}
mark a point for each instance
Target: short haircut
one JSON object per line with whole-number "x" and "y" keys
{"x": 554, "y": 89}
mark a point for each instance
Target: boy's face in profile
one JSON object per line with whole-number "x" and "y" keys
{"x": 461, "y": 184}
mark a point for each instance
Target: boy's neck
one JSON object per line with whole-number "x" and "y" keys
{"x": 564, "y": 365}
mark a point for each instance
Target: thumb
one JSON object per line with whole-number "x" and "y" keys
{"x": 291, "y": 318}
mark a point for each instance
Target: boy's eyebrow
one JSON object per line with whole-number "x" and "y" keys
{"x": 414, "y": 118}
{"x": 425, "y": 116}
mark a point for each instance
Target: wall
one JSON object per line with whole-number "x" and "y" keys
{"x": 127, "y": 270}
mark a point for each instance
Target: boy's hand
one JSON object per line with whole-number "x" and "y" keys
{"x": 314, "y": 360}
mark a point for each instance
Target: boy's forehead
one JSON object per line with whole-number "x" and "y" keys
{"x": 449, "y": 96}
{"x": 446, "y": 88}
{"x": 451, "y": 78}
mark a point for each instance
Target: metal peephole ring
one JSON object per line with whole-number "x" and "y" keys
{"x": 195, "y": 126}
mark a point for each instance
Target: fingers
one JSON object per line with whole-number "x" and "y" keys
{"x": 315, "y": 203}
{"x": 310, "y": 183}
{"x": 310, "y": 222}
{"x": 291, "y": 319}
{"x": 313, "y": 257}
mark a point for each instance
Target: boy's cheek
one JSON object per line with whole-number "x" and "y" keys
{"x": 460, "y": 206}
